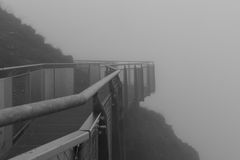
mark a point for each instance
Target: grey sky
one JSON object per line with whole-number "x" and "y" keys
{"x": 195, "y": 44}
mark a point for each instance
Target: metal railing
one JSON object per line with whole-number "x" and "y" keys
{"x": 112, "y": 87}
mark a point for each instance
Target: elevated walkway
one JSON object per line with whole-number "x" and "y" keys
{"x": 34, "y": 121}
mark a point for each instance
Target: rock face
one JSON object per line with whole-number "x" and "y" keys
{"x": 20, "y": 45}
{"x": 148, "y": 137}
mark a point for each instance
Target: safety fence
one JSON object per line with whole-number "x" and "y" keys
{"x": 106, "y": 88}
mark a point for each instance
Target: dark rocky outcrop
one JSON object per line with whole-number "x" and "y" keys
{"x": 148, "y": 137}
{"x": 21, "y": 45}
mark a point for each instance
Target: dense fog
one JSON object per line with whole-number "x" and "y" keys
{"x": 194, "y": 44}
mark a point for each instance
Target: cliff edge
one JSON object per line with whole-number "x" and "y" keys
{"x": 149, "y": 137}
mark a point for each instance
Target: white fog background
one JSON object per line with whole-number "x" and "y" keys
{"x": 195, "y": 45}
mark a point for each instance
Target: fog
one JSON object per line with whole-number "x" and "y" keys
{"x": 194, "y": 44}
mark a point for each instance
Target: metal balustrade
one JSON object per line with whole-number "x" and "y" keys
{"x": 106, "y": 88}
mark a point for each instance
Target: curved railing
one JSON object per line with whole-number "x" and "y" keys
{"x": 44, "y": 89}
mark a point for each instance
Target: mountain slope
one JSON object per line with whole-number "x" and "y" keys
{"x": 20, "y": 45}
{"x": 149, "y": 137}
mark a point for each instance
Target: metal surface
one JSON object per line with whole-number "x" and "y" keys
{"x": 33, "y": 110}
{"x": 122, "y": 85}
{"x": 5, "y": 102}
{"x": 65, "y": 144}
{"x": 63, "y": 81}
{"x": 54, "y": 148}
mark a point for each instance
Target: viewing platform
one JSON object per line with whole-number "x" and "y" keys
{"x": 70, "y": 111}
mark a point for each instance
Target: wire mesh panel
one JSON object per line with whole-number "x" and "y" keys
{"x": 145, "y": 80}
{"x": 94, "y": 142}
{"x": 103, "y": 93}
{"x": 36, "y": 85}
{"x": 81, "y": 77}
{"x": 136, "y": 89}
{"x": 121, "y": 76}
{"x": 108, "y": 112}
{"x": 21, "y": 89}
{"x": 94, "y": 73}
{"x": 5, "y": 101}
{"x": 141, "y": 83}
{"x": 137, "y": 82}
{"x": 65, "y": 155}
{"x": 125, "y": 88}
{"x": 64, "y": 82}
{"x": 89, "y": 149}
{"x": 117, "y": 116}
{"x": 48, "y": 83}
{"x": 103, "y": 70}
{"x": 131, "y": 94}
{"x": 105, "y": 90}
{"x": 152, "y": 77}
{"x": 20, "y": 95}
{"x": 149, "y": 78}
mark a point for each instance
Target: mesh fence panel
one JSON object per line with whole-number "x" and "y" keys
{"x": 36, "y": 85}
{"x": 20, "y": 95}
{"x": 95, "y": 73}
{"x": 64, "y": 82}
{"x": 5, "y": 101}
{"x": 48, "y": 86}
{"x": 137, "y": 82}
{"x": 81, "y": 77}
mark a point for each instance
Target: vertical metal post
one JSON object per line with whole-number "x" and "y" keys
{"x": 151, "y": 78}
{"x": 125, "y": 87}
{"x": 135, "y": 86}
{"x": 54, "y": 83}
{"x": 99, "y": 71}
{"x": 154, "y": 80}
{"x": 139, "y": 83}
{"x": 102, "y": 146}
{"x": 89, "y": 74}
{"x": 28, "y": 87}
{"x": 142, "y": 82}
{"x": 148, "y": 79}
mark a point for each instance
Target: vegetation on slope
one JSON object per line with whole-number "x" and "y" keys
{"x": 20, "y": 45}
{"x": 149, "y": 137}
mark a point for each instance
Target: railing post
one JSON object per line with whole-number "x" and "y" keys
{"x": 154, "y": 80}
{"x": 141, "y": 83}
{"x": 102, "y": 146}
{"x": 125, "y": 87}
{"x": 148, "y": 79}
{"x": 136, "y": 102}
{"x": 117, "y": 120}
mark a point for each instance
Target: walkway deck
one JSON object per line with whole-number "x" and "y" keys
{"x": 45, "y": 129}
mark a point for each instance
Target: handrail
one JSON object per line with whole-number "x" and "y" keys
{"x": 50, "y": 149}
{"x": 43, "y": 65}
{"x": 112, "y": 61}
{"x": 15, "y": 70}
{"x": 133, "y": 63}
{"x": 59, "y": 145}
{"x": 28, "y": 111}
{"x": 46, "y": 65}
{"x": 119, "y": 91}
